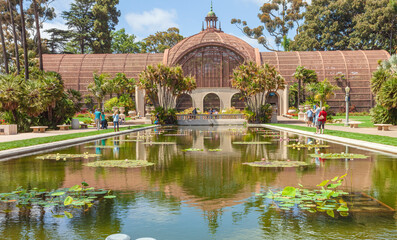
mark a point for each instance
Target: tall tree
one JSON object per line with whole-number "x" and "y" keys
{"x": 160, "y": 41}
{"x": 36, "y": 17}
{"x": 80, "y": 20}
{"x": 3, "y": 44}
{"x": 57, "y": 40}
{"x": 254, "y": 82}
{"x": 164, "y": 84}
{"x": 24, "y": 43}
{"x": 122, "y": 42}
{"x": 99, "y": 88}
{"x": 105, "y": 20}
{"x": 14, "y": 34}
{"x": 304, "y": 76}
{"x": 278, "y": 17}
{"x": 328, "y": 25}
{"x": 376, "y": 28}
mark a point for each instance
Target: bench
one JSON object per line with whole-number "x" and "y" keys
{"x": 39, "y": 129}
{"x": 354, "y": 124}
{"x": 63, "y": 127}
{"x": 384, "y": 127}
{"x": 83, "y": 125}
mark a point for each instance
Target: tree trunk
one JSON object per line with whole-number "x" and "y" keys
{"x": 299, "y": 92}
{"x": 14, "y": 32}
{"x": 3, "y": 43}
{"x": 25, "y": 46}
{"x": 36, "y": 16}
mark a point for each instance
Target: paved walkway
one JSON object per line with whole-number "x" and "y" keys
{"x": 373, "y": 131}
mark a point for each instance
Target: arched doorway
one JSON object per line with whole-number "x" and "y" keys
{"x": 272, "y": 99}
{"x": 183, "y": 102}
{"x": 237, "y": 102}
{"x": 213, "y": 101}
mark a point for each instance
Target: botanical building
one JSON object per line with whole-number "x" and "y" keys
{"x": 211, "y": 55}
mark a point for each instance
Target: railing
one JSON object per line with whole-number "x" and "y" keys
{"x": 208, "y": 116}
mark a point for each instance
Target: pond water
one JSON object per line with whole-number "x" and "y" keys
{"x": 201, "y": 195}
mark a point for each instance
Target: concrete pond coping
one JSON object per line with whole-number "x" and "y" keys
{"x": 35, "y": 149}
{"x": 364, "y": 145}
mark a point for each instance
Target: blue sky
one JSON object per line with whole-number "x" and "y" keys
{"x": 143, "y": 18}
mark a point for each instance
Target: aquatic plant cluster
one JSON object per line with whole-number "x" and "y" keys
{"x": 277, "y": 164}
{"x": 339, "y": 156}
{"x": 327, "y": 199}
{"x": 62, "y": 201}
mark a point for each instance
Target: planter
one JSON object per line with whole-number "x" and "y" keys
{"x": 132, "y": 113}
{"x": 301, "y": 108}
{"x": 292, "y": 111}
{"x": 10, "y": 129}
{"x": 122, "y": 109}
{"x": 114, "y": 109}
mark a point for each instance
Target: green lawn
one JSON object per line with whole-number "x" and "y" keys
{"x": 358, "y": 136}
{"x": 36, "y": 141}
{"x": 366, "y": 120}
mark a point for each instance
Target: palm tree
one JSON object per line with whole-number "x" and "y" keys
{"x": 4, "y": 46}
{"x": 36, "y": 16}
{"x": 14, "y": 32}
{"x": 322, "y": 91}
{"x": 99, "y": 88}
{"x": 10, "y": 95}
{"x": 24, "y": 43}
{"x": 304, "y": 76}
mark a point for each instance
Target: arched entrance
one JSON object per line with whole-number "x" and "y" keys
{"x": 183, "y": 102}
{"x": 237, "y": 102}
{"x": 273, "y": 99}
{"x": 213, "y": 101}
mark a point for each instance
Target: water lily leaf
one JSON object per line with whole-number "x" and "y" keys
{"x": 68, "y": 201}
{"x": 84, "y": 184}
{"x": 334, "y": 179}
{"x": 57, "y": 193}
{"x": 323, "y": 183}
{"x": 344, "y": 214}
{"x": 109, "y": 196}
{"x": 74, "y": 188}
{"x": 331, "y": 213}
{"x": 68, "y": 214}
{"x": 58, "y": 216}
{"x": 289, "y": 191}
{"x": 342, "y": 209}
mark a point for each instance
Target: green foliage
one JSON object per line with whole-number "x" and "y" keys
{"x": 384, "y": 85}
{"x": 106, "y": 17}
{"x": 100, "y": 87}
{"x": 339, "y": 156}
{"x": 80, "y": 20}
{"x": 160, "y": 41}
{"x": 123, "y": 42}
{"x": 304, "y": 76}
{"x": 40, "y": 100}
{"x": 123, "y": 101}
{"x": 113, "y": 102}
{"x": 278, "y": 17}
{"x": 327, "y": 199}
{"x": 276, "y": 164}
{"x": 254, "y": 81}
{"x": 163, "y": 84}
{"x": 164, "y": 117}
{"x": 322, "y": 91}
{"x": 70, "y": 199}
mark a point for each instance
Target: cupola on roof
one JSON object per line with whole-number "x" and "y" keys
{"x": 211, "y": 35}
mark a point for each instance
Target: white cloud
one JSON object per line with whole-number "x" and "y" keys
{"x": 152, "y": 21}
{"x": 54, "y": 24}
{"x": 257, "y": 2}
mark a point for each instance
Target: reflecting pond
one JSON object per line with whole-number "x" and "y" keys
{"x": 202, "y": 194}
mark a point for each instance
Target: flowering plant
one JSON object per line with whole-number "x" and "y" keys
{"x": 3, "y": 122}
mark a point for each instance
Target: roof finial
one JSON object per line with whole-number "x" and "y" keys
{"x": 211, "y": 5}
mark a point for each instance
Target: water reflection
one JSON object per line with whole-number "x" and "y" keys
{"x": 208, "y": 193}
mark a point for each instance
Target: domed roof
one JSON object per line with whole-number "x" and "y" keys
{"x": 211, "y": 14}
{"x": 210, "y": 37}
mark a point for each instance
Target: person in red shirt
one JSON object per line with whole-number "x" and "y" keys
{"x": 322, "y": 117}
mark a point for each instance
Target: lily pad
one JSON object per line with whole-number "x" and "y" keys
{"x": 159, "y": 143}
{"x": 339, "y": 156}
{"x": 215, "y": 150}
{"x": 65, "y": 157}
{"x": 192, "y": 150}
{"x": 250, "y": 143}
{"x": 120, "y": 163}
{"x": 276, "y": 164}
{"x": 310, "y": 146}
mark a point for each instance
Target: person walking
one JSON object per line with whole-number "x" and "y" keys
{"x": 322, "y": 117}
{"x": 316, "y": 113}
{"x": 103, "y": 121}
{"x": 309, "y": 117}
{"x": 116, "y": 118}
{"x": 97, "y": 119}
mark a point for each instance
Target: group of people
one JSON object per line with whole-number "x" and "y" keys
{"x": 102, "y": 123}
{"x": 316, "y": 117}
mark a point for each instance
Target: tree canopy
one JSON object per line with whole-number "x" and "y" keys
{"x": 160, "y": 41}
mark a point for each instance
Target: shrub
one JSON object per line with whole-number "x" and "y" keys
{"x": 264, "y": 116}
{"x": 231, "y": 110}
{"x": 164, "y": 117}
{"x": 382, "y": 115}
